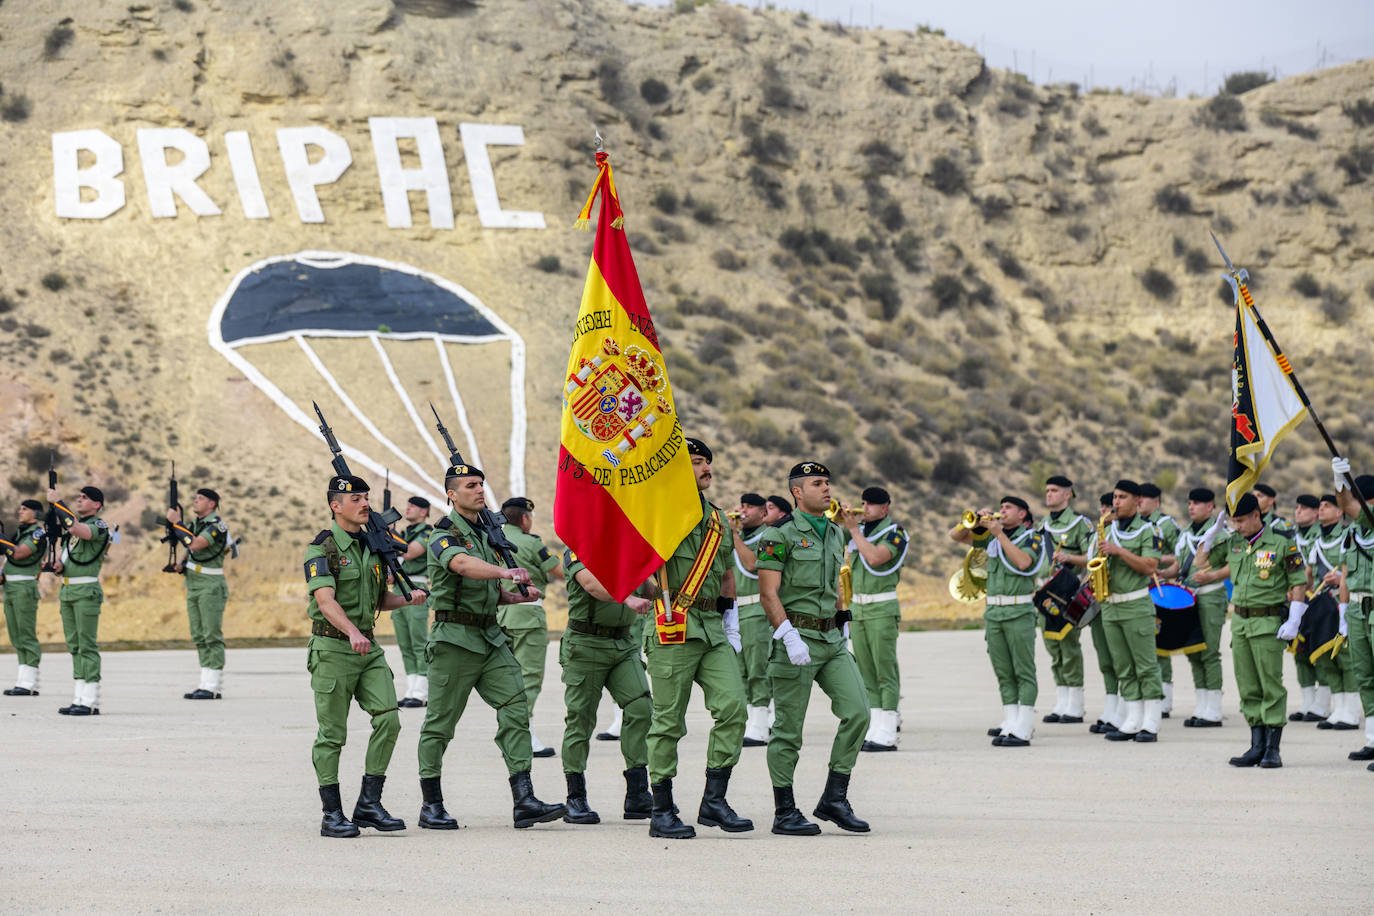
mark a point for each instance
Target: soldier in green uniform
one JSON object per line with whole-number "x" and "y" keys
{"x": 879, "y": 548}
{"x": 1068, "y": 536}
{"x": 1266, "y": 496}
{"x": 1268, "y": 582}
{"x": 1357, "y": 619}
{"x": 206, "y": 540}
{"x": 1193, "y": 548}
{"x": 411, "y": 621}
{"x": 799, "y": 567}
{"x": 1324, "y": 571}
{"x": 88, "y": 538}
{"x": 1113, "y": 709}
{"x": 347, "y": 587}
{"x": 707, "y": 657}
{"x": 755, "y": 635}
{"x": 1016, "y": 557}
{"x": 468, "y": 650}
{"x": 1149, "y": 510}
{"x": 598, "y": 651}
{"x": 525, "y": 623}
{"x": 24, "y": 558}
{"x": 1133, "y": 554}
{"x": 1316, "y": 694}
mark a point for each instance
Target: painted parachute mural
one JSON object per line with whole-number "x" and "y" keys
{"x": 374, "y": 342}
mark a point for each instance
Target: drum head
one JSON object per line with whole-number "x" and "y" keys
{"x": 1171, "y": 597}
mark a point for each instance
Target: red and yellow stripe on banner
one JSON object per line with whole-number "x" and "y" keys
{"x": 626, "y": 495}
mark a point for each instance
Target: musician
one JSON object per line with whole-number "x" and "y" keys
{"x": 1324, "y": 572}
{"x": 1266, "y": 496}
{"x": 778, "y": 511}
{"x": 24, "y": 555}
{"x": 1193, "y": 566}
{"x": 1015, "y": 557}
{"x": 1132, "y": 552}
{"x": 754, "y": 633}
{"x": 1358, "y": 557}
{"x": 1150, "y": 496}
{"x": 1269, "y": 581}
{"x": 1316, "y": 695}
{"x": 1113, "y": 710}
{"x": 1069, "y": 536}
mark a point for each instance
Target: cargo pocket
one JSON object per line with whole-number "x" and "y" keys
{"x": 438, "y": 678}
{"x": 659, "y": 663}
{"x": 573, "y": 678}
{"x": 322, "y": 684}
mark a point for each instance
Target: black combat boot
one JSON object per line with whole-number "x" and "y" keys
{"x": 834, "y": 805}
{"x": 639, "y": 804}
{"x": 334, "y": 823}
{"x": 1256, "y": 752}
{"x": 1271, "y": 759}
{"x": 528, "y": 809}
{"x": 787, "y": 820}
{"x": 715, "y": 811}
{"x": 664, "y": 822}
{"x": 432, "y": 813}
{"x": 578, "y": 812}
{"x": 368, "y": 812}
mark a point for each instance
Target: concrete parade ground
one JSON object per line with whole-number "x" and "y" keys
{"x": 162, "y": 804}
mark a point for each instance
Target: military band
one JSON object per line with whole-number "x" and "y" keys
{"x": 1191, "y": 565}
{"x": 1067, "y": 535}
{"x": 878, "y": 547}
{"x": 1168, "y": 532}
{"x": 1316, "y": 696}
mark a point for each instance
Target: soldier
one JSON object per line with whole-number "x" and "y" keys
{"x": 81, "y": 595}
{"x": 525, "y": 623}
{"x": 24, "y": 554}
{"x": 778, "y": 511}
{"x": 1168, "y": 539}
{"x": 755, "y": 634}
{"x": 1266, "y": 496}
{"x": 1132, "y": 552}
{"x": 1316, "y": 696}
{"x": 1113, "y": 710}
{"x": 468, "y": 649}
{"x": 411, "y": 621}
{"x": 799, "y": 566}
{"x": 1209, "y": 592}
{"x": 879, "y": 547}
{"x": 1268, "y": 580}
{"x": 1015, "y": 558}
{"x": 1324, "y": 571}
{"x": 1068, "y": 535}
{"x": 1357, "y": 621}
{"x": 706, "y": 656}
{"x": 597, "y": 652}
{"x": 347, "y": 587}
{"x": 205, "y": 540}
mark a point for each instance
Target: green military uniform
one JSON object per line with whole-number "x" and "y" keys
{"x": 207, "y": 591}
{"x": 1168, "y": 541}
{"x": 339, "y": 560}
{"x": 1333, "y": 669}
{"x": 468, "y": 649}
{"x": 755, "y": 635}
{"x": 1302, "y": 663}
{"x": 1068, "y": 532}
{"x": 1358, "y": 556}
{"x": 598, "y": 651}
{"x": 411, "y": 621}
{"x": 705, "y": 657}
{"x": 80, "y": 600}
{"x": 808, "y": 551}
{"x": 525, "y": 623}
{"x": 1210, "y": 600}
{"x": 21, "y": 601}
{"x": 1129, "y": 614}
{"x": 877, "y": 613}
{"x": 1009, "y": 625}
{"x": 1263, "y": 569}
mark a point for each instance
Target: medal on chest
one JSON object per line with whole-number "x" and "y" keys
{"x": 1264, "y": 562}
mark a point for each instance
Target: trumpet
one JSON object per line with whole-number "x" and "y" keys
{"x": 973, "y": 521}
{"x": 734, "y": 513}
{"x": 836, "y": 513}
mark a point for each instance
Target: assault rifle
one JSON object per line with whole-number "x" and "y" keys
{"x": 376, "y": 534}
{"x": 53, "y": 532}
{"x": 173, "y": 502}
{"x": 488, "y": 522}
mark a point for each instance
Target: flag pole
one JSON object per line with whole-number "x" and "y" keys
{"x": 1237, "y": 278}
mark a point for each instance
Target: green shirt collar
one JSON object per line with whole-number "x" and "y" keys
{"x": 817, "y": 522}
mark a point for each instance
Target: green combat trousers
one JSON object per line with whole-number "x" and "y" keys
{"x": 412, "y": 633}
{"x": 756, "y": 640}
{"x": 592, "y": 664}
{"x": 338, "y": 678}
{"x": 1258, "y": 659}
{"x": 21, "y": 620}
{"x": 1066, "y": 658}
{"x": 1130, "y": 631}
{"x": 1211, "y": 611}
{"x": 80, "y": 609}
{"x": 1307, "y": 672}
{"x": 672, "y": 671}
{"x": 834, "y": 670}
{"x": 205, "y": 600}
{"x": 1360, "y": 648}
{"x": 454, "y": 672}
{"x": 530, "y": 646}
{"x": 1011, "y": 649}
{"x": 875, "y": 652}
{"x": 1103, "y": 650}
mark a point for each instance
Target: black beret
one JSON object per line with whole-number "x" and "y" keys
{"x": 1059, "y": 480}
{"x": 1266, "y": 490}
{"x": 1245, "y": 505}
{"x": 1151, "y": 491}
{"x": 697, "y": 447}
{"x": 1365, "y": 484}
{"x": 1105, "y": 499}
{"x": 208, "y": 494}
{"x": 419, "y": 501}
{"x": 808, "y": 469}
{"x": 33, "y": 504}
{"x": 785, "y": 504}
{"x": 752, "y": 499}
{"x": 1308, "y": 500}
{"x": 348, "y": 485}
{"x": 464, "y": 470}
{"x": 1330, "y": 498}
{"x": 1127, "y": 486}
{"x": 875, "y": 495}
{"x": 523, "y": 503}
{"x": 1018, "y": 502}
{"x": 1201, "y": 495}
{"x": 94, "y": 493}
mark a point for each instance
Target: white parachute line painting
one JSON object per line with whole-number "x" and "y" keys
{"x": 453, "y": 325}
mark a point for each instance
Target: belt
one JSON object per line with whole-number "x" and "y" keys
{"x": 205, "y": 570}
{"x": 746, "y": 600}
{"x": 592, "y": 629}
{"x": 1273, "y": 610}
{"x": 463, "y": 617}
{"x": 325, "y": 628}
{"x": 1129, "y": 596}
{"x": 811, "y": 622}
{"x": 874, "y": 599}
{"x": 12, "y": 578}
{"x": 1210, "y": 587}
{"x": 1354, "y": 596}
{"x": 80, "y": 580}
{"x": 1005, "y": 600}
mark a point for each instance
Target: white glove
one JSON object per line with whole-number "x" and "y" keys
{"x": 792, "y": 641}
{"x": 1339, "y": 468}
{"x": 1343, "y": 630}
{"x": 1289, "y": 630}
{"x": 731, "y": 621}
{"x": 846, "y": 631}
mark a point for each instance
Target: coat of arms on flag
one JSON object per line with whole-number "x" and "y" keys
{"x": 615, "y": 397}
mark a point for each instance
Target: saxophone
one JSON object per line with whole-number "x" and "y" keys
{"x": 1097, "y": 566}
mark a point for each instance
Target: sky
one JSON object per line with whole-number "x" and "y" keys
{"x": 1183, "y": 46}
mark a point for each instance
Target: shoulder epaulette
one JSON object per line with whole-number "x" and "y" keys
{"x": 444, "y": 523}
{"x": 322, "y": 537}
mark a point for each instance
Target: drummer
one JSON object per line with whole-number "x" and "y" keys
{"x": 1209, "y": 595}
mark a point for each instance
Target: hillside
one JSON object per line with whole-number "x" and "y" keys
{"x": 861, "y": 245}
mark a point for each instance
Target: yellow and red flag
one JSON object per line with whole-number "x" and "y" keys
{"x": 626, "y": 495}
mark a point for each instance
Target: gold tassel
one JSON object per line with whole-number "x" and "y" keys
{"x": 618, "y": 223}
{"x": 583, "y": 224}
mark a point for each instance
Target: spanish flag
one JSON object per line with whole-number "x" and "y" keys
{"x": 626, "y": 495}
